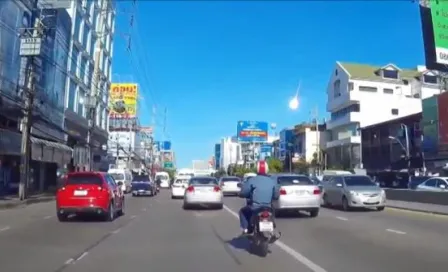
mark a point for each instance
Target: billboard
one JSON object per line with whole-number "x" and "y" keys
{"x": 123, "y": 100}
{"x": 167, "y": 156}
{"x": 217, "y": 156}
{"x": 252, "y": 131}
{"x": 434, "y": 23}
{"x": 166, "y": 145}
{"x": 265, "y": 151}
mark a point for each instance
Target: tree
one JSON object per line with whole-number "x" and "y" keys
{"x": 221, "y": 172}
{"x": 301, "y": 167}
{"x": 275, "y": 165}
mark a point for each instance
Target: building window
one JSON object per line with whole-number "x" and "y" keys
{"x": 394, "y": 111}
{"x": 343, "y": 112}
{"x": 368, "y": 89}
{"x": 388, "y": 91}
{"x": 350, "y": 86}
{"x": 78, "y": 20}
{"x": 392, "y": 74}
{"x": 71, "y": 95}
{"x": 430, "y": 79}
{"x": 337, "y": 88}
{"x": 336, "y": 72}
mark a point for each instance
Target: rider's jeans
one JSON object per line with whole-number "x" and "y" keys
{"x": 245, "y": 215}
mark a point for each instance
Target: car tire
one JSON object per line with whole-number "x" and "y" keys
{"x": 185, "y": 207}
{"x": 380, "y": 208}
{"x": 110, "y": 214}
{"x": 220, "y": 206}
{"x": 314, "y": 213}
{"x": 62, "y": 217}
{"x": 345, "y": 205}
{"x": 121, "y": 211}
{"x": 325, "y": 202}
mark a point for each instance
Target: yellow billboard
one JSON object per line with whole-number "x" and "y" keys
{"x": 123, "y": 100}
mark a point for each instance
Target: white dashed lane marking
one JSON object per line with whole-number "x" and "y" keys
{"x": 342, "y": 218}
{"x": 396, "y": 231}
{"x": 82, "y": 256}
{"x": 4, "y": 228}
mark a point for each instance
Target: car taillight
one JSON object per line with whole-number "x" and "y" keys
{"x": 282, "y": 191}
{"x": 99, "y": 188}
{"x": 62, "y": 189}
{"x": 216, "y": 189}
{"x": 265, "y": 214}
{"x": 316, "y": 192}
{"x": 190, "y": 189}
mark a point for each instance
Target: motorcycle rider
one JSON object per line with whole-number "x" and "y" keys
{"x": 260, "y": 191}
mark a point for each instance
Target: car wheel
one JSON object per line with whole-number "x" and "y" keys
{"x": 121, "y": 211}
{"x": 110, "y": 214}
{"x": 345, "y": 205}
{"x": 62, "y": 217}
{"x": 220, "y": 206}
{"x": 380, "y": 208}
{"x": 314, "y": 213}
{"x": 185, "y": 207}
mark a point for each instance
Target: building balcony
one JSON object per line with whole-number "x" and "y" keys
{"x": 351, "y": 117}
{"x": 345, "y": 141}
{"x": 346, "y": 99}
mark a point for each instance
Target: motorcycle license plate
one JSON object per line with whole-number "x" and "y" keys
{"x": 266, "y": 226}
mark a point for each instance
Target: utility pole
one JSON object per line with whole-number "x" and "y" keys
{"x": 30, "y": 48}
{"x": 315, "y": 118}
{"x": 95, "y": 93}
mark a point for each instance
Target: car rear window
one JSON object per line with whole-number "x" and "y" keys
{"x": 230, "y": 179}
{"x": 141, "y": 178}
{"x": 358, "y": 181}
{"x": 181, "y": 181}
{"x": 294, "y": 180}
{"x": 203, "y": 181}
{"x": 117, "y": 176}
{"x": 84, "y": 180}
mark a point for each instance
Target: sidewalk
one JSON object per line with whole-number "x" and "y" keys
{"x": 10, "y": 202}
{"x": 418, "y": 207}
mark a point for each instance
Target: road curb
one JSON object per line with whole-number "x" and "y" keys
{"x": 416, "y": 210}
{"x": 18, "y": 204}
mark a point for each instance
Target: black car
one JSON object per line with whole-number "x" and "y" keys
{"x": 143, "y": 185}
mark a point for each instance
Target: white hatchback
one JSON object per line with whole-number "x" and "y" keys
{"x": 297, "y": 193}
{"x": 179, "y": 186}
{"x": 203, "y": 191}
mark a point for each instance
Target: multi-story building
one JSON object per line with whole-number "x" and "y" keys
{"x": 309, "y": 143}
{"x": 93, "y": 25}
{"x": 127, "y": 147}
{"x": 48, "y": 152}
{"x": 231, "y": 152}
{"x": 361, "y": 95}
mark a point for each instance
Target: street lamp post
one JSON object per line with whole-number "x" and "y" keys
{"x": 405, "y": 147}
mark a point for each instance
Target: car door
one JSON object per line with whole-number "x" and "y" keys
{"x": 336, "y": 192}
{"x": 116, "y": 190}
{"x": 429, "y": 185}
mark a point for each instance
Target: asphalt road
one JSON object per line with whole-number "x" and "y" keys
{"x": 155, "y": 234}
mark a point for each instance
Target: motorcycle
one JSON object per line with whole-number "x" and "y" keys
{"x": 263, "y": 231}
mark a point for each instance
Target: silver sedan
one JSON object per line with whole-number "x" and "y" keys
{"x": 203, "y": 191}
{"x": 354, "y": 191}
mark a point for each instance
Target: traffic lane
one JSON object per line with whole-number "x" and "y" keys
{"x": 26, "y": 214}
{"x": 344, "y": 245}
{"x": 412, "y": 223}
{"x": 45, "y": 245}
{"x": 168, "y": 238}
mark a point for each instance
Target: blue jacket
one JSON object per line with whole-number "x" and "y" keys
{"x": 260, "y": 191}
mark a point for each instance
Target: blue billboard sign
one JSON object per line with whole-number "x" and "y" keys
{"x": 217, "y": 156}
{"x": 252, "y": 131}
{"x": 266, "y": 148}
{"x": 166, "y": 145}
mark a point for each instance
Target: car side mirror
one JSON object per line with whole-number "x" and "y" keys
{"x": 120, "y": 183}
{"x": 339, "y": 185}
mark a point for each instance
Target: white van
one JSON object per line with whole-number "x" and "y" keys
{"x": 123, "y": 175}
{"x": 164, "y": 179}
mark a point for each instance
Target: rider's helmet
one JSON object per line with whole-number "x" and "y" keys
{"x": 262, "y": 168}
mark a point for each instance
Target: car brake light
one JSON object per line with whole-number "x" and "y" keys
{"x": 62, "y": 189}
{"x": 99, "y": 188}
{"x": 190, "y": 189}
{"x": 282, "y": 191}
{"x": 264, "y": 214}
{"x": 316, "y": 192}
{"x": 216, "y": 189}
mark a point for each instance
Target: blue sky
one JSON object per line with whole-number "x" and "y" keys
{"x": 212, "y": 63}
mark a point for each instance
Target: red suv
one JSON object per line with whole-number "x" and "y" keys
{"x": 92, "y": 193}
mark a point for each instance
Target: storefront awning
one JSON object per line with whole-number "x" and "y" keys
{"x": 47, "y": 151}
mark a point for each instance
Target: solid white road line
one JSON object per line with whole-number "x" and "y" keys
{"x": 116, "y": 231}
{"x": 48, "y": 217}
{"x": 342, "y": 218}
{"x": 296, "y": 255}
{"x": 69, "y": 261}
{"x": 396, "y": 231}
{"x": 82, "y": 256}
